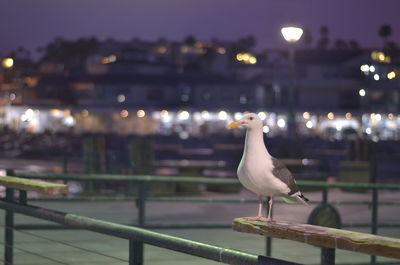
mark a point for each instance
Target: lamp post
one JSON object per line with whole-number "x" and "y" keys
{"x": 291, "y": 34}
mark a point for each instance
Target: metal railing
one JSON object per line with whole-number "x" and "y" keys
{"x": 144, "y": 180}
{"x": 137, "y": 236}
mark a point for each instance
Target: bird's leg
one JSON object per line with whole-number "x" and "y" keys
{"x": 259, "y": 216}
{"x": 269, "y": 209}
{"x": 260, "y": 206}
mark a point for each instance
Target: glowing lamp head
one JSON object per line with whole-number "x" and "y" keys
{"x": 292, "y": 34}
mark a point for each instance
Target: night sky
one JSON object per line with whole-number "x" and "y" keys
{"x": 32, "y": 23}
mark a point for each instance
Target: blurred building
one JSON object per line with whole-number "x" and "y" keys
{"x": 115, "y": 79}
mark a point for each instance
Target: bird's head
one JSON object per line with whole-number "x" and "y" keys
{"x": 249, "y": 121}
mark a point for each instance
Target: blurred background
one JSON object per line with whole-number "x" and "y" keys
{"x": 148, "y": 87}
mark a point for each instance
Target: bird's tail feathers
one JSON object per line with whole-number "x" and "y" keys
{"x": 298, "y": 197}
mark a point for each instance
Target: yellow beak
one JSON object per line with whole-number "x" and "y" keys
{"x": 234, "y": 124}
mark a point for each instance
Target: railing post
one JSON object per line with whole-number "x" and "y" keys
{"x": 141, "y": 203}
{"x": 135, "y": 252}
{"x": 374, "y": 217}
{"x": 136, "y": 247}
{"x": 9, "y": 225}
{"x": 325, "y": 195}
{"x": 23, "y": 197}
{"x": 327, "y": 256}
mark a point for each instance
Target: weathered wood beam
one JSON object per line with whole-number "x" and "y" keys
{"x": 33, "y": 185}
{"x": 322, "y": 236}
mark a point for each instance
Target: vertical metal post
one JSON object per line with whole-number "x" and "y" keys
{"x": 135, "y": 252}
{"x": 9, "y": 225}
{"x": 136, "y": 247}
{"x": 268, "y": 239}
{"x": 65, "y": 161}
{"x": 141, "y": 203}
{"x": 23, "y": 197}
{"x": 325, "y": 195}
{"x": 327, "y": 256}
{"x": 374, "y": 217}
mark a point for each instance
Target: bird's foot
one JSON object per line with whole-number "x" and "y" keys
{"x": 259, "y": 218}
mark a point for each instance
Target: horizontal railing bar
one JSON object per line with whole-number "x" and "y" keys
{"x": 190, "y": 247}
{"x": 33, "y": 185}
{"x": 198, "y": 180}
{"x": 177, "y": 226}
{"x": 147, "y": 226}
{"x": 199, "y": 200}
{"x": 369, "y": 225}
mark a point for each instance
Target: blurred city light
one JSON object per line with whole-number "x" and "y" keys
{"x": 183, "y": 115}
{"x": 306, "y": 115}
{"x": 262, "y": 115}
{"x": 372, "y": 68}
{"x": 205, "y": 115}
{"x": 124, "y": 113}
{"x": 266, "y": 129}
{"x": 364, "y": 68}
{"x": 362, "y": 92}
{"x": 121, "y": 98}
{"x": 238, "y": 115}
{"x": 246, "y": 58}
{"x": 8, "y": 62}
{"x": 281, "y": 123}
{"x": 222, "y": 115}
{"x": 69, "y": 121}
{"x": 376, "y": 77}
{"x": 391, "y": 75}
{"x": 140, "y": 113}
{"x": 109, "y": 59}
{"x": 381, "y": 57}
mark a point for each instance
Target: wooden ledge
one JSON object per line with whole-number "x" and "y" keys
{"x": 33, "y": 185}
{"x": 322, "y": 236}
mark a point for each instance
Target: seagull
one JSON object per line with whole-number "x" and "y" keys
{"x": 262, "y": 173}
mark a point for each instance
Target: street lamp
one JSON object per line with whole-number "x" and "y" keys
{"x": 291, "y": 34}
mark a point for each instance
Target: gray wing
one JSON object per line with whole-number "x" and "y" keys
{"x": 282, "y": 172}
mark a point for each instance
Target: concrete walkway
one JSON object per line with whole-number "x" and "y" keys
{"x": 116, "y": 249}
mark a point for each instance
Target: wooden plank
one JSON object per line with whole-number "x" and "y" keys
{"x": 322, "y": 236}
{"x": 33, "y": 185}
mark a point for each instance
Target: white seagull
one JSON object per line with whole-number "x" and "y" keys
{"x": 261, "y": 173}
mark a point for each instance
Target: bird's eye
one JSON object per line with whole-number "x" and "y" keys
{"x": 251, "y": 118}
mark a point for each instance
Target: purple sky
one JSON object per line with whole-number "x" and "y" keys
{"x": 32, "y": 23}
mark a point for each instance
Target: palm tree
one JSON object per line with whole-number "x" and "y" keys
{"x": 307, "y": 38}
{"x": 341, "y": 44}
{"x": 190, "y": 40}
{"x": 385, "y": 31}
{"x": 354, "y": 45}
{"x": 323, "y": 42}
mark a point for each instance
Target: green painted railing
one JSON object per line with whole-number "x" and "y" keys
{"x": 137, "y": 236}
{"x": 145, "y": 180}
{"x": 198, "y": 180}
